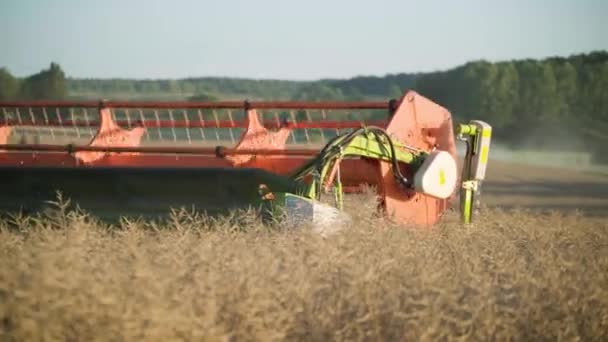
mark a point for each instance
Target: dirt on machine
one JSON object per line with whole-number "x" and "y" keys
{"x": 116, "y": 158}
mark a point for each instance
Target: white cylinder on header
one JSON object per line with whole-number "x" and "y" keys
{"x": 437, "y": 176}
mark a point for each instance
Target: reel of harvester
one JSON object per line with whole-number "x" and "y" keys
{"x": 142, "y": 158}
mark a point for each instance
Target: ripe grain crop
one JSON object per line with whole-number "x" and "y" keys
{"x": 535, "y": 270}
{"x": 514, "y": 275}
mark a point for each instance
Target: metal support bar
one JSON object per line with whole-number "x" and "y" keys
{"x": 477, "y": 135}
{"x": 222, "y": 151}
{"x": 202, "y": 105}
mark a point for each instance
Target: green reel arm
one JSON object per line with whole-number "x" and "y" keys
{"x": 477, "y": 135}
{"x": 368, "y": 142}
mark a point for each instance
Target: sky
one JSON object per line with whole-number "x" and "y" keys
{"x": 298, "y": 40}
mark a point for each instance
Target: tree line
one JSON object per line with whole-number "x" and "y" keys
{"x": 554, "y": 103}
{"x": 557, "y": 102}
{"x": 48, "y": 84}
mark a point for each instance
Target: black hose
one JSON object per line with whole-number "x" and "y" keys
{"x": 334, "y": 146}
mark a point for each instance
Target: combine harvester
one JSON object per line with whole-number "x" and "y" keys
{"x": 143, "y": 158}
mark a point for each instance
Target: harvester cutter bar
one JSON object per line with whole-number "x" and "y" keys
{"x": 111, "y": 192}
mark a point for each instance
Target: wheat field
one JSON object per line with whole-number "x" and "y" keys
{"x": 532, "y": 267}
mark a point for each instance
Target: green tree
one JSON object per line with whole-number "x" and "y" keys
{"x": 566, "y": 77}
{"x": 395, "y": 91}
{"x": 504, "y": 96}
{"x": 320, "y": 92}
{"x": 48, "y": 84}
{"x": 203, "y": 97}
{"x": 8, "y": 85}
{"x": 353, "y": 94}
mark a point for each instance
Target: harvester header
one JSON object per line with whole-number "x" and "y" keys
{"x": 123, "y": 158}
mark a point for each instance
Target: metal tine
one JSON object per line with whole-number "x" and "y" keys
{"x": 5, "y": 115}
{"x": 160, "y": 134}
{"x": 172, "y": 125}
{"x": 87, "y": 120}
{"x": 232, "y": 124}
{"x": 306, "y": 129}
{"x": 19, "y": 120}
{"x": 74, "y": 122}
{"x": 323, "y": 117}
{"x": 60, "y": 121}
{"x": 188, "y": 127}
{"x": 217, "y": 124}
{"x": 337, "y": 131}
{"x": 143, "y": 122}
{"x": 202, "y": 121}
{"x": 39, "y": 129}
{"x": 128, "y": 117}
{"x": 276, "y": 118}
{"x": 293, "y": 119}
{"x": 46, "y": 120}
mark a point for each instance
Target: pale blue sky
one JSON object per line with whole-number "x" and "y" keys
{"x": 288, "y": 39}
